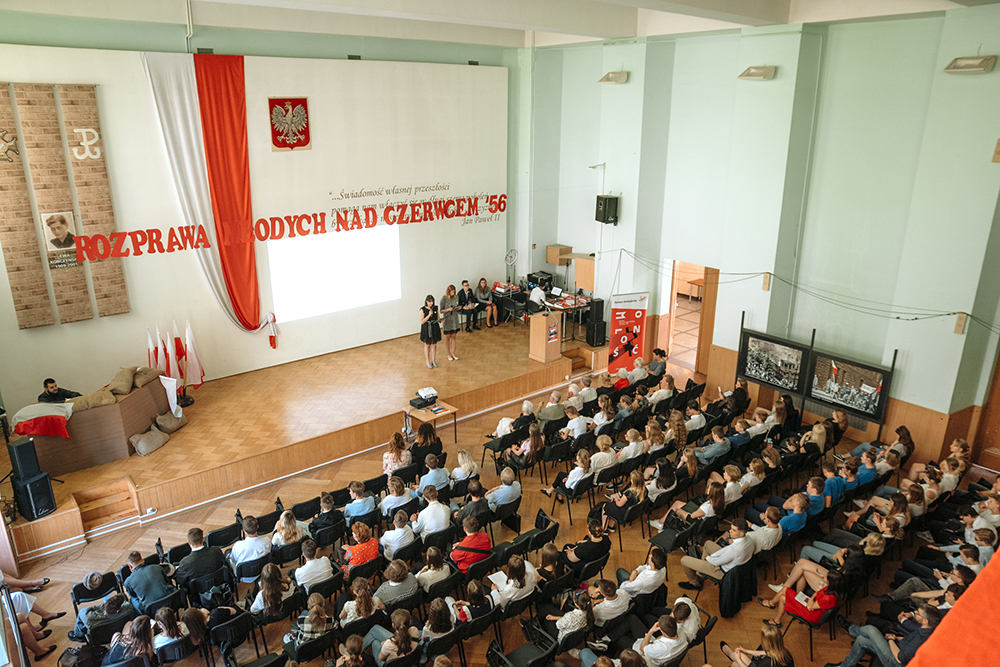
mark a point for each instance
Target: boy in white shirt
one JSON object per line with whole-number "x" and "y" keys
{"x": 398, "y": 537}
{"x": 577, "y": 424}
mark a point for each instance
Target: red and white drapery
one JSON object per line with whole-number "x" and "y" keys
{"x": 201, "y": 104}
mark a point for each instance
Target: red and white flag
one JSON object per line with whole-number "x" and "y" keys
{"x": 160, "y": 355}
{"x": 195, "y": 372}
{"x": 150, "y": 350}
{"x": 178, "y": 354}
{"x": 833, "y": 364}
{"x": 879, "y": 390}
{"x": 272, "y": 332}
{"x": 43, "y": 419}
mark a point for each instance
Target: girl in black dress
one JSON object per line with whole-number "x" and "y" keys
{"x": 430, "y": 330}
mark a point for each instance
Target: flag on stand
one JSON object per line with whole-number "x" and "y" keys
{"x": 177, "y": 355}
{"x": 150, "y": 349}
{"x": 833, "y": 364}
{"x": 272, "y": 332}
{"x": 160, "y": 355}
{"x": 195, "y": 375}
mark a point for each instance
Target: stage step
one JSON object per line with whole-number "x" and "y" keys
{"x": 106, "y": 503}
{"x": 579, "y": 364}
{"x": 110, "y": 518}
{"x": 90, "y": 505}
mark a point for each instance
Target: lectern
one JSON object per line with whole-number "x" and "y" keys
{"x": 546, "y": 338}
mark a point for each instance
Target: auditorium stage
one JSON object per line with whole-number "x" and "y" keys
{"x": 260, "y": 426}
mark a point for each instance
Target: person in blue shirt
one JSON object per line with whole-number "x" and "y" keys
{"x": 834, "y": 487}
{"x": 360, "y": 503}
{"x": 890, "y": 650}
{"x": 739, "y": 436}
{"x": 439, "y": 477}
{"x": 624, "y": 410}
{"x": 866, "y": 471}
{"x": 507, "y": 491}
{"x": 718, "y": 447}
{"x": 794, "y": 521}
{"x": 848, "y": 472}
{"x": 816, "y": 502}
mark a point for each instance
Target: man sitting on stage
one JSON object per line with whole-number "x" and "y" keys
{"x": 53, "y": 394}
{"x": 470, "y": 306}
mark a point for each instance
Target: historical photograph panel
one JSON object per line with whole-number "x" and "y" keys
{"x": 860, "y": 389}
{"x": 772, "y": 363}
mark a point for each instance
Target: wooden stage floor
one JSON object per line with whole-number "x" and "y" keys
{"x": 256, "y": 427}
{"x": 108, "y": 553}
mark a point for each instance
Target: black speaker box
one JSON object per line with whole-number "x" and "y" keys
{"x": 596, "y": 310}
{"x": 34, "y": 496}
{"x": 23, "y": 459}
{"x": 596, "y": 333}
{"x": 607, "y": 209}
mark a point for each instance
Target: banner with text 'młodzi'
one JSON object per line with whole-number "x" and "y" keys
{"x": 627, "y": 330}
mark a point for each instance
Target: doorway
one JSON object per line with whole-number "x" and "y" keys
{"x": 694, "y": 289}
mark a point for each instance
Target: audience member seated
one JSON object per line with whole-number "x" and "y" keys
{"x": 577, "y": 425}
{"x": 588, "y": 393}
{"x": 660, "y": 644}
{"x": 633, "y": 446}
{"x": 604, "y": 385}
{"x": 713, "y": 503}
{"x": 398, "y": 455}
{"x": 754, "y": 475}
{"x": 466, "y": 469}
{"x": 434, "y": 569}
{"x": 612, "y": 512}
{"x": 766, "y": 537}
{"x": 474, "y": 547}
{"x": 552, "y": 410}
{"x": 647, "y": 577}
{"x": 360, "y": 504}
{"x": 814, "y": 494}
{"x": 439, "y": 623}
{"x": 169, "y": 629}
{"x": 251, "y": 547}
{"x": 328, "y": 515}
{"x": 664, "y": 390}
{"x": 625, "y": 409}
{"x": 890, "y": 650}
{"x": 550, "y": 566}
{"x": 521, "y": 580}
{"x": 695, "y": 419}
{"x": 594, "y": 546}
{"x": 770, "y": 653}
{"x": 135, "y": 641}
{"x": 659, "y": 362}
{"x": 605, "y": 412}
{"x": 399, "y": 536}
{"x": 639, "y": 371}
{"x": 872, "y": 546}
{"x": 902, "y": 445}
{"x": 146, "y": 583}
{"x": 275, "y": 588}
{"x": 478, "y": 604}
{"x": 364, "y": 549}
{"x": 605, "y": 456}
{"x": 577, "y": 613}
{"x": 791, "y": 522}
{"x": 569, "y": 481}
{"x": 959, "y": 450}
{"x": 476, "y": 505}
{"x": 435, "y": 476}
{"x": 398, "y": 496}
{"x": 426, "y": 442}
{"x": 399, "y": 584}
{"x": 716, "y": 560}
{"x": 312, "y": 623}
{"x": 436, "y": 516}
{"x": 113, "y": 610}
{"x": 714, "y": 450}
{"x": 897, "y": 507}
{"x": 810, "y": 608}
{"x": 729, "y": 401}
{"x": 200, "y": 622}
{"x": 609, "y": 602}
{"x": 622, "y": 380}
{"x": 356, "y": 604}
{"x": 759, "y": 424}
{"x": 315, "y": 570}
{"x": 507, "y": 491}
{"x": 201, "y": 561}
{"x": 522, "y": 455}
{"x": 388, "y": 645}
{"x": 573, "y": 396}
{"x": 663, "y": 479}
{"x": 654, "y": 438}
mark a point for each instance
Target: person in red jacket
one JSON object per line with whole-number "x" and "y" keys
{"x": 473, "y": 548}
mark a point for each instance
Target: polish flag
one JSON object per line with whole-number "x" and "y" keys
{"x": 150, "y": 350}
{"x": 160, "y": 356}
{"x": 879, "y": 390}
{"x": 272, "y": 331}
{"x": 836, "y": 371}
{"x": 173, "y": 367}
{"x": 179, "y": 352}
{"x": 195, "y": 372}
{"x": 43, "y": 419}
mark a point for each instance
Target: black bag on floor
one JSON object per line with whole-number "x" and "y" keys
{"x": 83, "y": 656}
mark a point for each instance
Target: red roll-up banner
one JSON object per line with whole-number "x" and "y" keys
{"x": 222, "y": 99}
{"x": 627, "y": 333}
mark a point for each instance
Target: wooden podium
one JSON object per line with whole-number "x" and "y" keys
{"x": 546, "y": 338}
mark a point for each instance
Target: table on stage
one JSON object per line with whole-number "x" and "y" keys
{"x": 569, "y": 304}
{"x": 427, "y": 414}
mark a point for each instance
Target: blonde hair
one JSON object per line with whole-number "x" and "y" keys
{"x": 773, "y": 643}
{"x": 669, "y": 380}
{"x": 604, "y": 443}
{"x": 584, "y": 457}
{"x": 676, "y": 424}
{"x": 733, "y": 471}
{"x": 758, "y": 469}
{"x": 656, "y": 435}
{"x": 638, "y": 485}
{"x": 874, "y": 544}
{"x": 692, "y": 462}
{"x": 288, "y": 528}
{"x": 819, "y": 436}
{"x": 466, "y": 463}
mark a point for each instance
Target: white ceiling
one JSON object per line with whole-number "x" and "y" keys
{"x": 511, "y": 23}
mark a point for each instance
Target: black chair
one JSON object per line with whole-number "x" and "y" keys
{"x": 592, "y": 569}
{"x": 223, "y": 537}
{"x": 359, "y": 627}
{"x": 330, "y": 535}
{"x": 544, "y": 536}
{"x": 138, "y": 661}
{"x": 409, "y": 553}
{"x": 310, "y": 650}
{"x": 828, "y": 617}
{"x": 306, "y": 510}
{"x": 82, "y": 595}
{"x": 372, "y": 519}
{"x": 269, "y": 660}
{"x": 582, "y": 489}
{"x": 286, "y": 553}
{"x": 411, "y": 659}
{"x": 442, "y": 645}
{"x": 517, "y": 607}
{"x": 231, "y": 634}
{"x": 440, "y": 589}
{"x": 341, "y": 497}
{"x": 589, "y": 409}
{"x": 552, "y": 588}
{"x": 376, "y": 485}
{"x": 513, "y": 307}
{"x": 175, "y": 651}
{"x": 409, "y": 603}
{"x": 480, "y": 569}
{"x": 175, "y": 554}
{"x": 460, "y": 488}
{"x": 503, "y": 551}
{"x": 196, "y": 586}
{"x": 440, "y": 539}
{"x": 411, "y": 507}
{"x": 328, "y": 587}
{"x": 365, "y": 570}
{"x": 289, "y": 606}
{"x": 101, "y": 633}
{"x": 503, "y": 514}
{"x": 633, "y": 513}
{"x": 251, "y": 569}
{"x": 174, "y": 600}
{"x": 607, "y": 476}
{"x": 537, "y": 651}
{"x": 477, "y": 627}
{"x": 267, "y": 522}
{"x": 497, "y": 445}
{"x": 552, "y": 427}
{"x": 407, "y": 473}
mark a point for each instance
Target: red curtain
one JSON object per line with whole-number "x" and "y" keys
{"x": 222, "y": 98}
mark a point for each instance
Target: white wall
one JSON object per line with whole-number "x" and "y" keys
{"x": 171, "y": 287}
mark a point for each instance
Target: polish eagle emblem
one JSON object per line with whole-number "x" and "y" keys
{"x": 289, "y": 123}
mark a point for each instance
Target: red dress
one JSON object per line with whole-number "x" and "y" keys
{"x": 621, "y": 384}
{"x": 360, "y": 554}
{"x": 823, "y": 599}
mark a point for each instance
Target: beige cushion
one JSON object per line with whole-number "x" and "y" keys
{"x": 168, "y": 423}
{"x": 95, "y": 400}
{"x": 122, "y": 384}
{"x": 145, "y": 375}
{"x": 148, "y": 442}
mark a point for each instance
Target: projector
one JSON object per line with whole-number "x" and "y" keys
{"x": 426, "y": 396}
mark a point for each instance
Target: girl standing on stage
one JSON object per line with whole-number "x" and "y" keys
{"x": 430, "y": 330}
{"x": 452, "y": 323}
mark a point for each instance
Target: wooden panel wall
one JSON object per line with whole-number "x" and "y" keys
{"x": 706, "y": 328}
{"x": 43, "y": 536}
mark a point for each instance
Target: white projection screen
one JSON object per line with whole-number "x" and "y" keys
{"x": 380, "y": 133}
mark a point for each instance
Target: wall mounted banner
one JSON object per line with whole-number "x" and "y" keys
{"x": 628, "y": 330}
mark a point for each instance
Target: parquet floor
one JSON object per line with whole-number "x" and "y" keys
{"x": 108, "y": 553}
{"x": 238, "y": 416}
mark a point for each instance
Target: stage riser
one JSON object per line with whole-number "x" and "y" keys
{"x": 64, "y": 529}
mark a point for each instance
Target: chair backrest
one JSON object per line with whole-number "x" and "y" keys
{"x": 593, "y": 568}
{"x": 343, "y": 496}
{"x": 582, "y": 487}
{"x": 101, "y": 634}
{"x": 376, "y": 485}
{"x": 440, "y": 589}
{"x": 411, "y": 659}
{"x": 507, "y": 509}
{"x": 635, "y": 511}
{"x": 409, "y": 603}
{"x": 552, "y": 427}
{"x": 441, "y": 645}
{"x": 314, "y": 648}
{"x": 440, "y": 539}
{"x": 460, "y": 489}
{"x": 481, "y": 568}
{"x": 175, "y": 601}
{"x": 233, "y": 632}
{"x": 175, "y": 554}
{"x": 328, "y": 536}
{"x": 563, "y": 582}
{"x": 572, "y": 640}
{"x": 589, "y": 409}
{"x": 365, "y": 570}
{"x": 605, "y": 476}
{"x": 371, "y": 519}
{"x": 704, "y": 631}
{"x": 267, "y": 522}
{"x": 223, "y": 537}
{"x": 138, "y": 661}
{"x": 540, "y": 539}
{"x": 204, "y": 583}
{"x": 478, "y": 626}
{"x": 175, "y": 651}
{"x": 410, "y": 552}
{"x": 411, "y": 507}
{"x": 286, "y": 553}
{"x": 516, "y": 607}
{"x": 251, "y": 569}
{"x": 109, "y": 584}
{"x": 407, "y": 473}
{"x": 360, "y": 626}
{"x": 503, "y": 551}
{"x": 328, "y": 587}
{"x": 306, "y": 510}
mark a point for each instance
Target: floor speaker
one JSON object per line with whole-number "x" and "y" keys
{"x": 23, "y": 459}
{"x": 596, "y": 310}
{"x": 596, "y": 333}
{"x": 34, "y": 496}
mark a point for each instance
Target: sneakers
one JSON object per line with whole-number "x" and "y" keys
{"x": 658, "y": 525}
{"x": 689, "y": 586}
{"x": 925, "y": 535}
{"x": 574, "y": 653}
{"x": 859, "y": 503}
{"x": 775, "y": 587}
{"x": 597, "y": 646}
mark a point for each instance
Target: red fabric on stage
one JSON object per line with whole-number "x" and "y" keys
{"x": 53, "y": 425}
{"x": 222, "y": 99}
{"x": 967, "y": 635}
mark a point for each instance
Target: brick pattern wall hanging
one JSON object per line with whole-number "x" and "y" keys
{"x": 53, "y": 186}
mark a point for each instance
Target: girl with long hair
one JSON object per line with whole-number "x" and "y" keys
{"x": 386, "y": 645}
{"x": 772, "y": 651}
{"x": 362, "y": 606}
{"x": 352, "y": 652}
{"x": 551, "y": 566}
{"x": 170, "y": 629}
{"x": 559, "y": 625}
{"x": 569, "y": 481}
{"x": 521, "y": 581}
{"x": 434, "y": 569}
{"x": 439, "y": 622}
{"x": 835, "y": 591}
{"x": 451, "y": 322}
{"x": 478, "y": 604}
{"x": 612, "y": 512}
{"x": 289, "y": 530}
{"x": 676, "y": 430}
{"x": 605, "y": 411}
{"x": 664, "y": 480}
{"x": 398, "y": 455}
{"x": 274, "y": 589}
{"x": 466, "y": 467}
{"x": 430, "y": 330}
{"x": 522, "y": 455}
{"x": 312, "y": 623}
{"x": 134, "y": 641}
{"x": 484, "y": 295}
{"x": 426, "y": 442}
{"x": 687, "y": 464}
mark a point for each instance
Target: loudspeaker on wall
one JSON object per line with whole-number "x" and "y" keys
{"x": 607, "y": 209}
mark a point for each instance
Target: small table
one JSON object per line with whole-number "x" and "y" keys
{"x": 424, "y": 415}
{"x": 697, "y": 282}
